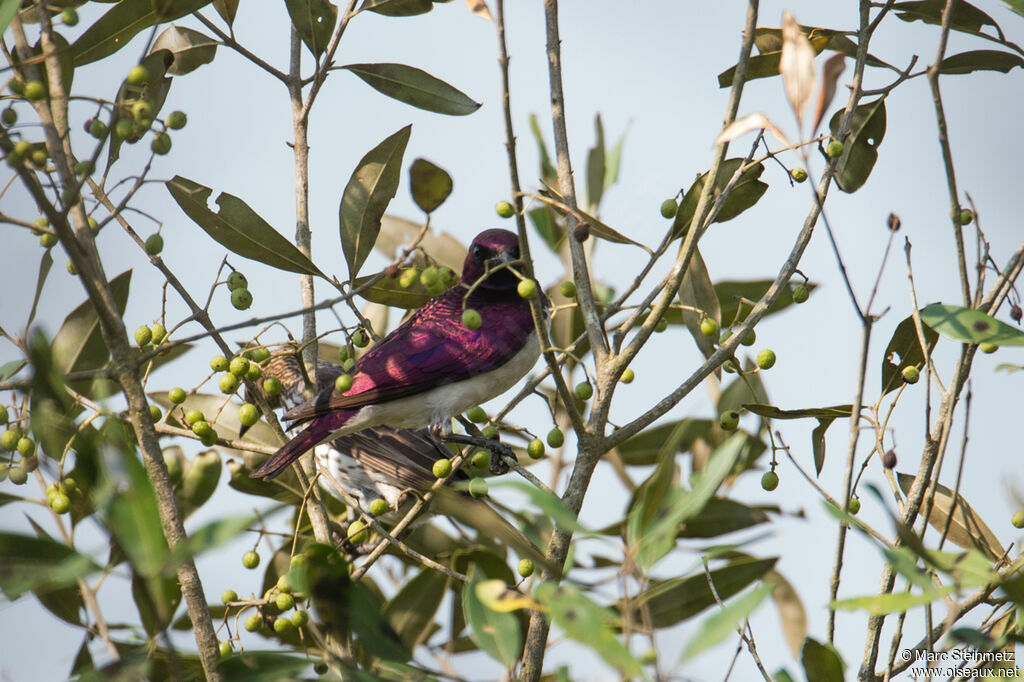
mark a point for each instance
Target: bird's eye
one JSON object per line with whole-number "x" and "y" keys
{"x": 479, "y": 253}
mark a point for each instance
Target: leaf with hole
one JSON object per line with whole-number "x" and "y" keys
{"x": 970, "y": 326}
{"x": 238, "y": 228}
{"x": 118, "y": 26}
{"x": 860, "y": 147}
{"x": 904, "y": 350}
{"x": 314, "y": 21}
{"x": 370, "y": 189}
{"x": 191, "y": 49}
{"x": 414, "y": 87}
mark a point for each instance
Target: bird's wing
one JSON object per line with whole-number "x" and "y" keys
{"x": 430, "y": 349}
{"x": 405, "y": 455}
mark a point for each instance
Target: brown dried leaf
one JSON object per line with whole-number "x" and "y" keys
{"x": 792, "y": 615}
{"x": 830, "y": 73}
{"x": 966, "y": 529}
{"x": 741, "y": 126}
{"x": 479, "y": 8}
{"x": 797, "y": 66}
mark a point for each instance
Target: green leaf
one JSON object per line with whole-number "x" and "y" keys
{"x": 659, "y": 536}
{"x": 1015, "y": 6}
{"x": 238, "y": 228}
{"x": 227, "y": 10}
{"x": 596, "y": 169}
{"x": 747, "y": 191}
{"x": 411, "y": 611}
{"x": 818, "y": 443}
{"x": 45, "y": 263}
{"x": 722, "y": 516}
{"x": 980, "y": 60}
{"x": 387, "y": 291}
{"x": 156, "y": 599}
{"x": 397, "y": 8}
{"x": 822, "y": 662}
{"x": 8, "y": 8}
{"x": 134, "y": 519}
{"x": 79, "y": 343}
{"x": 116, "y": 28}
{"x": 860, "y": 150}
{"x": 372, "y": 628}
{"x": 415, "y": 87}
{"x": 222, "y": 415}
{"x": 884, "y": 604}
{"x": 587, "y": 623}
{"x": 545, "y": 500}
{"x": 905, "y": 345}
{"x": 372, "y": 186}
{"x": 191, "y": 49}
{"x": 677, "y": 599}
{"x": 724, "y": 622}
{"x": 966, "y": 17}
{"x": 155, "y": 92}
{"x": 548, "y": 174}
{"x": 430, "y": 185}
{"x": 643, "y": 448}
{"x": 210, "y": 536}
{"x": 497, "y": 633}
{"x": 40, "y": 564}
{"x": 772, "y": 412}
{"x": 612, "y": 162}
{"x": 730, "y": 292}
{"x": 966, "y": 528}
{"x": 970, "y": 326}
{"x": 264, "y": 666}
{"x": 697, "y": 291}
{"x": 314, "y": 21}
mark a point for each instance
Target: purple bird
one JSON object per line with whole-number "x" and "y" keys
{"x": 431, "y": 367}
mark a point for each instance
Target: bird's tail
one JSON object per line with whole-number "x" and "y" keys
{"x": 307, "y": 439}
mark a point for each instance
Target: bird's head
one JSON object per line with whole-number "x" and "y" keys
{"x": 491, "y": 252}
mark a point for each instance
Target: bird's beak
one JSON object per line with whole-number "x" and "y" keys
{"x": 501, "y": 260}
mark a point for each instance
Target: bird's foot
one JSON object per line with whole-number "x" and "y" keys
{"x": 497, "y": 449}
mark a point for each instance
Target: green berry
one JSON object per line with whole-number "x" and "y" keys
{"x": 442, "y": 468}
{"x": 750, "y": 338}
{"x": 527, "y": 288}
{"x": 161, "y": 144}
{"x": 4, "y": 471}
{"x": 478, "y": 488}
{"x": 254, "y": 372}
{"x": 159, "y": 333}
{"x": 142, "y": 111}
{"x": 154, "y": 413}
{"x": 154, "y": 244}
{"x": 24, "y": 147}
{"x": 490, "y": 432}
{"x": 429, "y": 276}
{"x": 285, "y": 601}
{"x": 800, "y": 293}
{"x": 359, "y": 339}
{"x": 209, "y": 438}
{"x": 770, "y": 481}
{"x": 17, "y": 86}
{"x": 194, "y": 417}
{"x": 798, "y": 174}
{"x": 29, "y": 461}
{"x": 661, "y": 326}
{"x": 535, "y": 449}
{"x": 272, "y": 385}
{"x": 282, "y": 625}
{"x": 348, "y": 364}
{"x": 729, "y": 420}
{"x": 69, "y": 15}
{"x": 966, "y": 216}
{"x": 357, "y": 532}
{"x": 85, "y": 168}
{"x": 568, "y": 289}
{"x": 143, "y": 335}
{"x": 408, "y": 277}
{"x": 238, "y": 366}
{"x": 253, "y": 623}
{"x": 477, "y": 415}
{"x": 39, "y": 158}
{"x": 284, "y": 583}
{"x": 708, "y": 327}
{"x": 260, "y": 354}
{"x": 343, "y": 383}
{"x": 201, "y": 427}
{"x": 854, "y": 506}
{"x": 1018, "y": 519}
{"x": 138, "y": 75}
{"x": 835, "y": 149}
{"x": 14, "y": 159}
{"x": 48, "y": 240}
{"x": 471, "y": 319}
{"x": 300, "y": 618}
{"x": 229, "y": 383}
{"x": 228, "y": 596}
{"x": 247, "y": 413}
{"x": 237, "y": 280}
{"x": 251, "y": 559}
{"x": 97, "y": 129}
{"x": 241, "y": 299}
{"x": 219, "y": 363}
{"x": 505, "y": 209}
{"x": 556, "y": 438}
{"x": 60, "y": 503}
{"x": 911, "y": 374}
{"x": 176, "y": 120}
{"x": 378, "y": 507}
{"x": 26, "y": 446}
{"x": 766, "y": 359}
{"x": 124, "y": 128}
{"x": 480, "y": 462}
{"x": 18, "y": 475}
{"x": 176, "y": 395}
{"x": 72, "y": 270}
{"x": 627, "y": 376}
{"x": 583, "y": 390}
{"x": 225, "y": 649}
{"x": 525, "y": 568}
{"x": 669, "y": 208}
{"x": 988, "y": 348}
{"x": 9, "y": 117}
{"x": 34, "y": 90}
